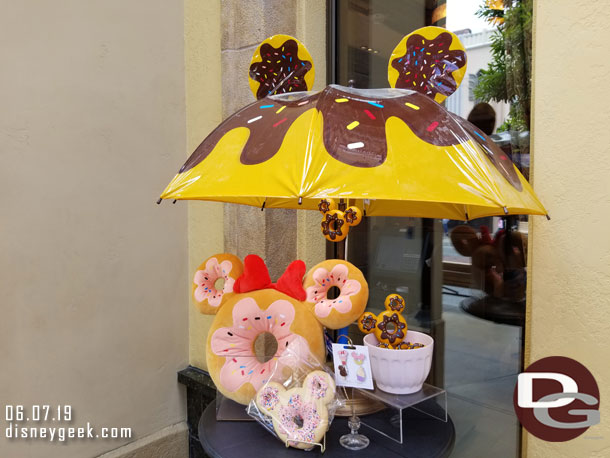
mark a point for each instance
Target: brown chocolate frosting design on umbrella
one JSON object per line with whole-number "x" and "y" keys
{"x": 427, "y": 65}
{"x": 267, "y": 119}
{"x": 353, "y": 126}
{"x": 281, "y": 70}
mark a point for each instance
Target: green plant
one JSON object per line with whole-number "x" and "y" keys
{"x": 507, "y": 77}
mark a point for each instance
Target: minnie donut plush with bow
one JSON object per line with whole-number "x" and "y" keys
{"x": 287, "y": 314}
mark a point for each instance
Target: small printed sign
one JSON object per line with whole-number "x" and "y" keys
{"x": 352, "y": 366}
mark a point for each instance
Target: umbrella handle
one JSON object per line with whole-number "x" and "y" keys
{"x": 342, "y": 333}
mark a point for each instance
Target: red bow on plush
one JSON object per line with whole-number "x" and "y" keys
{"x": 256, "y": 276}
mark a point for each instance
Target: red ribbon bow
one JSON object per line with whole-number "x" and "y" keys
{"x": 256, "y": 277}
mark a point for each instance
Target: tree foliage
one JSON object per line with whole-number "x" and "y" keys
{"x": 508, "y": 75}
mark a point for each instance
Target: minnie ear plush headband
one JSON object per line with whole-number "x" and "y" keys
{"x": 256, "y": 277}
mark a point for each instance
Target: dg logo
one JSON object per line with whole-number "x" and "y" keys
{"x": 556, "y": 399}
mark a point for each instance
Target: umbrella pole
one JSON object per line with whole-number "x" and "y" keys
{"x": 340, "y": 252}
{"x": 355, "y": 404}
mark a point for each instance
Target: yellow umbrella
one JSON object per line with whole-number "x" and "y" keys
{"x": 392, "y": 152}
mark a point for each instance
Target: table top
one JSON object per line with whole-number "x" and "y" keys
{"x": 425, "y": 437}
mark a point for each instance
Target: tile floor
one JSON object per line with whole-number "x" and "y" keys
{"x": 482, "y": 361}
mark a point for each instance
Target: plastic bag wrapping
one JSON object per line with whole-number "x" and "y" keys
{"x": 298, "y": 402}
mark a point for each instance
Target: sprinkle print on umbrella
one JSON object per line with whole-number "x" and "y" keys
{"x": 364, "y": 144}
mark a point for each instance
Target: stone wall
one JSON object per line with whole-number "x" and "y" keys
{"x": 272, "y": 233}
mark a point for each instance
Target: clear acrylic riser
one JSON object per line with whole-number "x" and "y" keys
{"x": 430, "y": 400}
{"x": 229, "y": 410}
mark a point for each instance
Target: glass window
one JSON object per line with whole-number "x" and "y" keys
{"x": 464, "y": 282}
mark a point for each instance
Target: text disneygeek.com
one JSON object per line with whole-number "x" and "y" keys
{"x": 27, "y": 423}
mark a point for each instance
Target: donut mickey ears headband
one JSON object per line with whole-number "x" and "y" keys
{"x": 256, "y": 277}
{"x": 430, "y": 60}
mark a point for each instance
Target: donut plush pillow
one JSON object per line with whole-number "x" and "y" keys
{"x": 214, "y": 281}
{"x": 264, "y": 331}
{"x": 239, "y": 363}
{"x": 353, "y": 292}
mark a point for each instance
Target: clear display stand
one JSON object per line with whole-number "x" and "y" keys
{"x": 229, "y": 410}
{"x": 354, "y": 440}
{"x": 430, "y": 400}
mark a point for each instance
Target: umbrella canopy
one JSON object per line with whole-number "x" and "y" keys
{"x": 393, "y": 151}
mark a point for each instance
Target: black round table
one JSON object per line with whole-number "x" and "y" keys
{"x": 424, "y": 437}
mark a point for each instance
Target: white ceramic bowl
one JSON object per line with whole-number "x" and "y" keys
{"x": 401, "y": 371}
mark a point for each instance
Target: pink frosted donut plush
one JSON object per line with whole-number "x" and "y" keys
{"x": 214, "y": 281}
{"x": 353, "y": 295}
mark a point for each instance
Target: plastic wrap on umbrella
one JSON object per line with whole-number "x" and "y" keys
{"x": 393, "y": 151}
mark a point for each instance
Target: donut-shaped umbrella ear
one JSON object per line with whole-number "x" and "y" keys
{"x": 353, "y": 293}
{"x": 213, "y": 281}
{"x": 281, "y": 64}
{"x": 430, "y": 60}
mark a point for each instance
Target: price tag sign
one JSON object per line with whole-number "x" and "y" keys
{"x": 352, "y": 366}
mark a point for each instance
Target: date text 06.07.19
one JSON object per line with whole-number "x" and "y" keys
{"x": 17, "y": 413}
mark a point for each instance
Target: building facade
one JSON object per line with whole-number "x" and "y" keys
{"x": 97, "y": 279}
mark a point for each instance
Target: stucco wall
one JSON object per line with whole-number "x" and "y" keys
{"x": 203, "y": 114}
{"x": 569, "y": 260}
{"x": 92, "y": 272}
